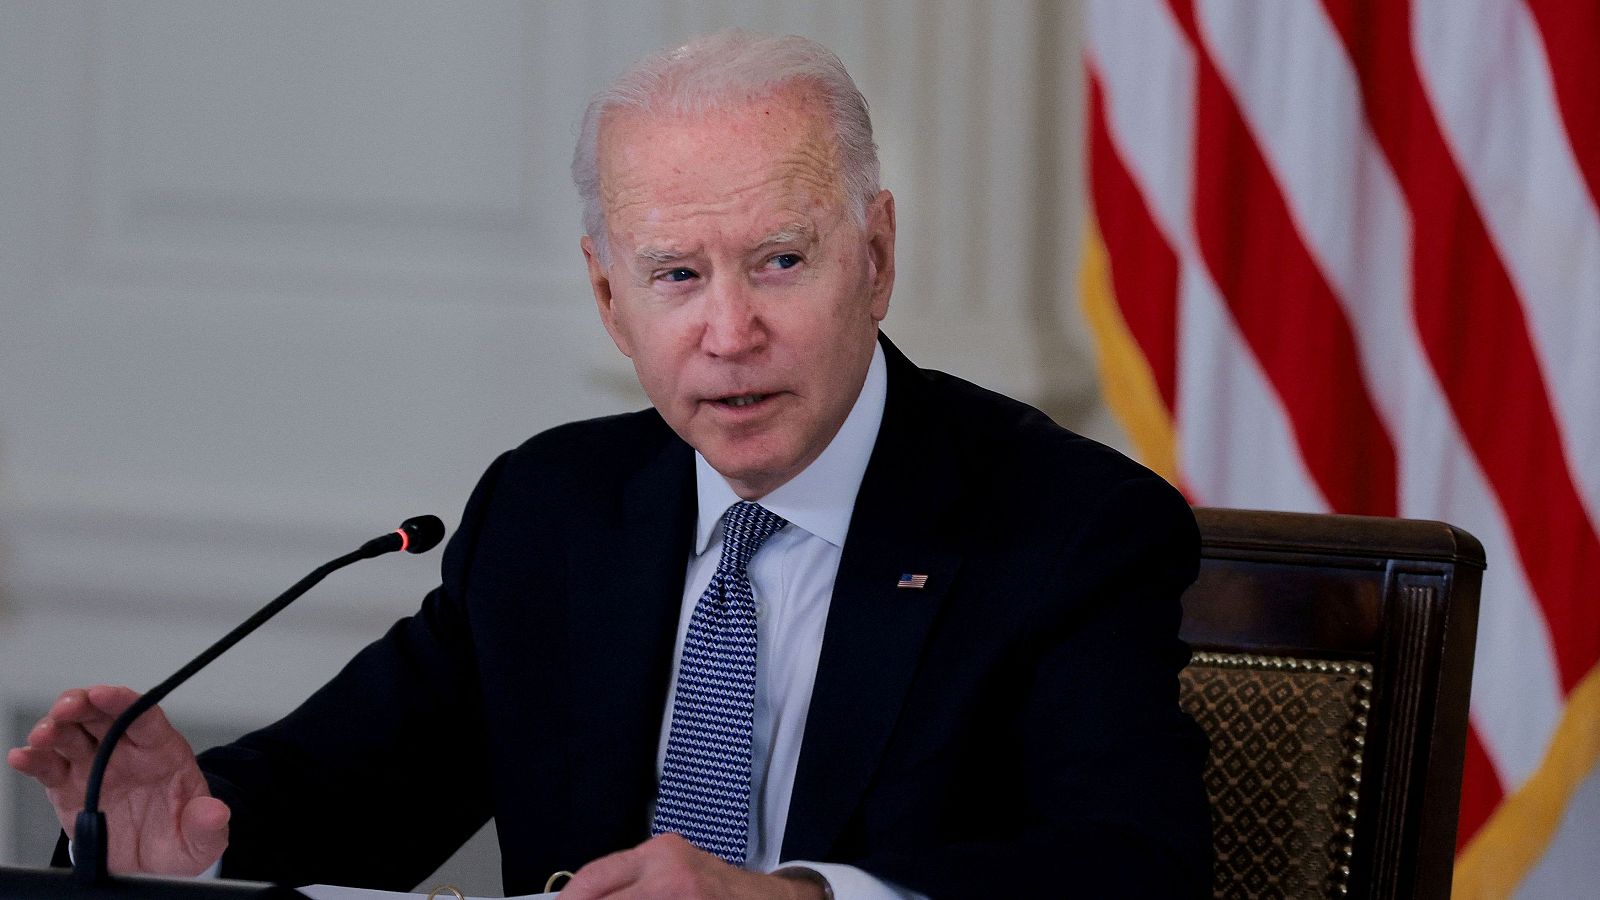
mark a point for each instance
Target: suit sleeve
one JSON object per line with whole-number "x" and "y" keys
{"x": 1105, "y": 796}
{"x": 380, "y": 775}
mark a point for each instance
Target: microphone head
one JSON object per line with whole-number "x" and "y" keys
{"x": 422, "y": 533}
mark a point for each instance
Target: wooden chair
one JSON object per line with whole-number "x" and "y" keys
{"x": 1333, "y": 660}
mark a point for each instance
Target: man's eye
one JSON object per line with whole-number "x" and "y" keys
{"x": 784, "y": 261}
{"x": 679, "y": 274}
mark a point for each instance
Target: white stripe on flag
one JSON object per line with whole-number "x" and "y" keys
{"x": 1307, "y": 119}
{"x": 1235, "y": 443}
{"x": 1484, "y": 68}
{"x": 1236, "y": 447}
{"x": 1149, "y": 73}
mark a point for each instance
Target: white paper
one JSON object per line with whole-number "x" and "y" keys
{"x": 335, "y": 892}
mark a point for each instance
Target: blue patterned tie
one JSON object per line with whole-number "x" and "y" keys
{"x": 704, "y": 793}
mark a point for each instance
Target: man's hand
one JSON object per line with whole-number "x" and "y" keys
{"x": 162, "y": 817}
{"x": 670, "y": 868}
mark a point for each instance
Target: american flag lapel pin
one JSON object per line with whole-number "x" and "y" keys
{"x": 914, "y": 582}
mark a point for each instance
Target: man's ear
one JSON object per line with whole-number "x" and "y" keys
{"x": 600, "y": 283}
{"x": 880, "y": 251}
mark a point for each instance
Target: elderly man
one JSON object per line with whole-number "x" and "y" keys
{"x": 818, "y": 611}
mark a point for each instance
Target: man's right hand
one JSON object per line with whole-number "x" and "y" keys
{"x": 161, "y": 815}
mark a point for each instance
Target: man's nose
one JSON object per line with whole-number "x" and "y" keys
{"x": 733, "y": 326}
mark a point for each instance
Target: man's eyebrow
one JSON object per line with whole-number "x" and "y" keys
{"x": 659, "y": 255}
{"x": 796, "y": 233}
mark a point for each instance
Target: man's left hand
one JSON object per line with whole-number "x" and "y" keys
{"x": 670, "y": 868}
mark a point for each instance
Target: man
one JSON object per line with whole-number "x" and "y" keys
{"x": 817, "y": 610}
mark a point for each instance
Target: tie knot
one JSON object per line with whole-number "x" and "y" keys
{"x": 745, "y": 527}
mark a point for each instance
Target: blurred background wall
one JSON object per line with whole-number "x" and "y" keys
{"x": 275, "y": 276}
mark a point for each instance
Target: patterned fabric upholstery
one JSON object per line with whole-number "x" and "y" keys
{"x": 1286, "y": 743}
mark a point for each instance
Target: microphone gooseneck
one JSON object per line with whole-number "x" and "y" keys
{"x": 90, "y": 841}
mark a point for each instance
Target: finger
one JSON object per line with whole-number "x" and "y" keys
{"x": 75, "y": 706}
{"x": 67, "y": 739}
{"x": 72, "y": 706}
{"x": 633, "y": 892}
{"x": 671, "y": 842}
{"x": 603, "y": 877}
{"x": 44, "y": 766}
{"x": 150, "y": 729}
{"x": 95, "y": 708}
{"x": 204, "y": 826}
{"x": 111, "y": 699}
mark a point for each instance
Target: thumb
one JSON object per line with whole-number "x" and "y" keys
{"x": 205, "y": 829}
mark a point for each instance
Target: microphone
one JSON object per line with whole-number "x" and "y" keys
{"x": 415, "y": 535}
{"x": 418, "y": 534}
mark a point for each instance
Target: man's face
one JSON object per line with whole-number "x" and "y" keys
{"x": 738, "y": 284}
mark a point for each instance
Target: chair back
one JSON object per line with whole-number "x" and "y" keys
{"x": 1332, "y": 667}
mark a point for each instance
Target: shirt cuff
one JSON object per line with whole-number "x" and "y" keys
{"x": 851, "y": 883}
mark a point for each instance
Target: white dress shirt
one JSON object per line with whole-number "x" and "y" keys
{"x": 792, "y": 579}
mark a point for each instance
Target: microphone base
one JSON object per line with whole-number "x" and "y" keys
{"x": 26, "y": 884}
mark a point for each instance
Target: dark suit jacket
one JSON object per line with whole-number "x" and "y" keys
{"x": 1009, "y": 731}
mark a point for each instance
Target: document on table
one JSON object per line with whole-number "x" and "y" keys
{"x": 334, "y": 892}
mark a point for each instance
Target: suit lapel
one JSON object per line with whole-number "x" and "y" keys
{"x": 627, "y": 587}
{"x": 876, "y": 630}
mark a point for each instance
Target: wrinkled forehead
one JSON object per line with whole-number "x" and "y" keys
{"x": 776, "y": 149}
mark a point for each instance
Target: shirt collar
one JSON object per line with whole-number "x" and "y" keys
{"x": 822, "y": 497}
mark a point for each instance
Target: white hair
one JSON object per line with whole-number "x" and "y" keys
{"x": 718, "y": 71}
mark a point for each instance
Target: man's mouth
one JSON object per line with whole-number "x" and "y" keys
{"x": 741, "y": 400}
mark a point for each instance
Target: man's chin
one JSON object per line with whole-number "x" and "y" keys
{"x": 751, "y": 476}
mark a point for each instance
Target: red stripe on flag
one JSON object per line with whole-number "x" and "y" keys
{"x": 1144, "y": 269}
{"x": 1476, "y": 336}
{"x": 1284, "y": 307}
{"x": 1480, "y": 790}
{"x": 1571, "y": 33}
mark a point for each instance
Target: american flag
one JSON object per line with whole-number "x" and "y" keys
{"x": 913, "y": 581}
{"x": 1344, "y": 255}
